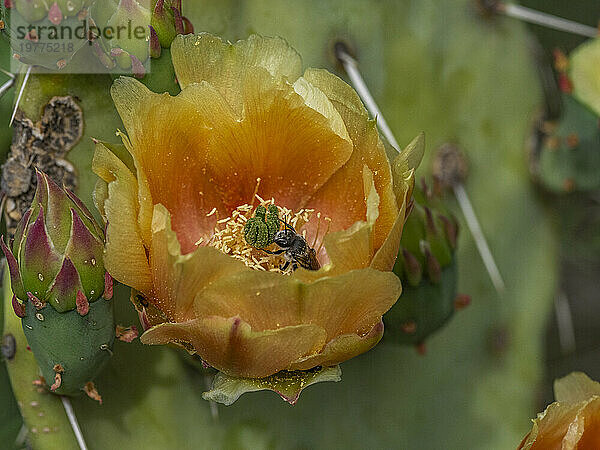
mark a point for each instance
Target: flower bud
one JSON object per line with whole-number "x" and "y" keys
{"x": 427, "y": 268}
{"x": 57, "y": 249}
{"x": 58, "y": 280}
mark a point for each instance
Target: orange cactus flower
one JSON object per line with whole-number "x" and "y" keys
{"x": 572, "y": 421}
{"x": 247, "y": 128}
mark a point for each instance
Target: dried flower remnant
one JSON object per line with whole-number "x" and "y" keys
{"x": 42, "y": 146}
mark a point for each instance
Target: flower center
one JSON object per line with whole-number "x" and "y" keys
{"x": 229, "y": 237}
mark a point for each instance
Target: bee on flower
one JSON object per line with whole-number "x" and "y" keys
{"x": 183, "y": 232}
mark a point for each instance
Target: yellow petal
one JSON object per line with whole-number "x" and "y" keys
{"x": 385, "y": 257}
{"x": 403, "y": 167}
{"x": 124, "y": 254}
{"x": 204, "y": 57}
{"x": 231, "y": 346}
{"x": 341, "y": 349}
{"x": 347, "y": 206}
{"x": 346, "y": 304}
{"x": 575, "y": 387}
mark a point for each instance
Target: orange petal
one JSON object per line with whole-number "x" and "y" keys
{"x": 292, "y": 143}
{"x": 591, "y": 426}
{"x": 169, "y": 143}
{"x": 125, "y": 255}
{"x": 341, "y": 349}
{"x": 551, "y": 426}
{"x": 231, "y": 346}
{"x": 352, "y": 248}
{"x": 176, "y": 278}
{"x": 385, "y": 257}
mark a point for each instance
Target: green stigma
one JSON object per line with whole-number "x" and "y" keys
{"x": 260, "y": 230}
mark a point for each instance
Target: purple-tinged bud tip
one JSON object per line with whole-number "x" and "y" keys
{"x": 155, "y": 47}
{"x": 144, "y": 319}
{"x": 18, "y": 307}
{"x": 137, "y": 67}
{"x": 104, "y": 59}
{"x": 179, "y": 27}
{"x": 159, "y": 8}
{"x": 412, "y": 267}
{"x": 108, "y": 286}
{"x": 429, "y": 222}
{"x": 434, "y": 270}
{"x": 36, "y": 301}
{"x": 55, "y": 14}
{"x": 188, "y": 27}
{"x": 83, "y": 306}
{"x": 13, "y": 269}
{"x": 451, "y": 230}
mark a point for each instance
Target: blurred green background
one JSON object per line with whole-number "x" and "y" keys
{"x": 442, "y": 68}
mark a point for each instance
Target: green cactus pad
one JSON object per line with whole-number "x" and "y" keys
{"x": 569, "y": 158}
{"x": 81, "y": 345}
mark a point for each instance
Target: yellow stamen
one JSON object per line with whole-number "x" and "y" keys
{"x": 228, "y": 235}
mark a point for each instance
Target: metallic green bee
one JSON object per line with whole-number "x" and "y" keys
{"x": 260, "y": 230}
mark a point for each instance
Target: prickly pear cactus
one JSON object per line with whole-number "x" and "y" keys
{"x": 426, "y": 265}
{"x": 439, "y": 74}
{"x": 61, "y": 291}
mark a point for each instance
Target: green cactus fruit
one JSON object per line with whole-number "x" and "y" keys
{"x": 160, "y": 20}
{"x": 31, "y": 10}
{"x": 131, "y": 15}
{"x": 57, "y": 271}
{"x": 427, "y": 268}
{"x": 70, "y": 348}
